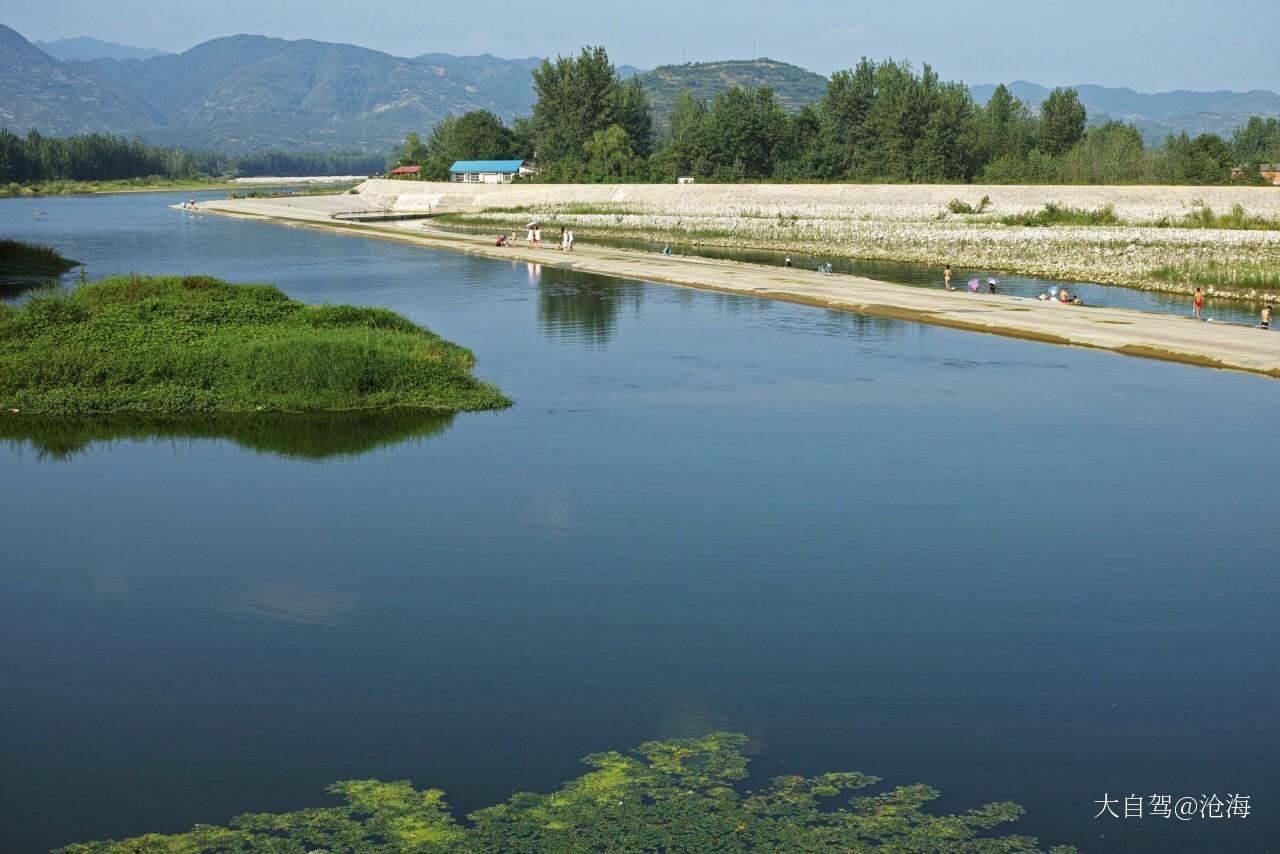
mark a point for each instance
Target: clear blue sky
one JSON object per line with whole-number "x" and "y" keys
{"x": 1174, "y": 44}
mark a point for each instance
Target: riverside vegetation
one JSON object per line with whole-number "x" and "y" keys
{"x": 183, "y": 345}
{"x": 95, "y": 163}
{"x": 676, "y": 795}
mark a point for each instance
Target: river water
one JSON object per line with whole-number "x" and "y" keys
{"x": 1008, "y": 570}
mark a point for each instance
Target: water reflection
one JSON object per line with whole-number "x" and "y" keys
{"x": 581, "y": 307}
{"x": 16, "y": 289}
{"x": 302, "y": 436}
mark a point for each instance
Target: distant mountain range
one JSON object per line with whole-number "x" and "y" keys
{"x": 38, "y": 91}
{"x": 85, "y": 49}
{"x": 1160, "y": 114}
{"x": 245, "y": 93}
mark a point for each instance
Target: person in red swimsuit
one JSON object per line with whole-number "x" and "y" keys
{"x": 1198, "y": 300}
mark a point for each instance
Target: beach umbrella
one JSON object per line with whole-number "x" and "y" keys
{"x": 533, "y": 224}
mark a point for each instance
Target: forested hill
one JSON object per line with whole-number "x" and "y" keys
{"x": 38, "y": 91}
{"x": 792, "y": 86}
{"x": 250, "y": 92}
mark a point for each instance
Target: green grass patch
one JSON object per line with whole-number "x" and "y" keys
{"x": 26, "y": 259}
{"x": 1242, "y": 274}
{"x": 175, "y": 345}
{"x": 1235, "y": 219}
{"x": 1055, "y": 214}
{"x": 316, "y": 190}
{"x": 676, "y": 795}
{"x": 124, "y": 185}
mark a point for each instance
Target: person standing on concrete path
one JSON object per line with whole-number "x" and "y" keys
{"x": 528, "y": 238}
{"x": 787, "y": 261}
{"x": 946, "y": 278}
{"x": 1197, "y": 300}
{"x": 1266, "y": 317}
{"x": 568, "y": 239}
{"x": 564, "y": 239}
{"x": 537, "y": 237}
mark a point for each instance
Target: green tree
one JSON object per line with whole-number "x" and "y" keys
{"x": 1210, "y": 160}
{"x": 1112, "y": 153}
{"x": 1256, "y": 142}
{"x": 685, "y": 142}
{"x": 842, "y": 115}
{"x": 610, "y": 155}
{"x": 1004, "y": 127}
{"x": 578, "y": 97}
{"x": 744, "y": 132}
{"x": 477, "y": 135}
{"x": 1062, "y": 121}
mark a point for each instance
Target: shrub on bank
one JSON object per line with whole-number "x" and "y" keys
{"x": 148, "y": 344}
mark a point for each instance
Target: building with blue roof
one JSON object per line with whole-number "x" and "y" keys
{"x": 488, "y": 171}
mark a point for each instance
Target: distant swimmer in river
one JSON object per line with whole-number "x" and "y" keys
{"x": 1266, "y": 317}
{"x": 787, "y": 261}
{"x": 993, "y": 285}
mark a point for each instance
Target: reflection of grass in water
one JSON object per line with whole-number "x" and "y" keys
{"x": 307, "y": 436}
{"x": 675, "y": 795}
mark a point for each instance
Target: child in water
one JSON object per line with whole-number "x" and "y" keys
{"x": 1266, "y": 317}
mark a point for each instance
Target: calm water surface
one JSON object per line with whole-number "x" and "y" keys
{"x": 1009, "y": 570}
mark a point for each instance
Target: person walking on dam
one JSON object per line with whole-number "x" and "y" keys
{"x": 1197, "y": 301}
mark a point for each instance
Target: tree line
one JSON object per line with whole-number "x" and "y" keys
{"x": 101, "y": 157}
{"x": 878, "y": 122}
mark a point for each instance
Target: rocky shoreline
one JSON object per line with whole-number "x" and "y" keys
{"x": 1119, "y": 255}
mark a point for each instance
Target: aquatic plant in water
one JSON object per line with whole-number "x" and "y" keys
{"x": 171, "y": 345}
{"x": 675, "y": 795}
{"x": 27, "y": 259}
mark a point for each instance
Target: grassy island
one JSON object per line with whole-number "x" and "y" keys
{"x": 188, "y": 345}
{"x": 676, "y": 795}
{"x": 25, "y": 259}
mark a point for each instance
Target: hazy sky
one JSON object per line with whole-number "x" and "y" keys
{"x": 1146, "y": 45}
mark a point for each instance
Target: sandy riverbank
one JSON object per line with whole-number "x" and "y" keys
{"x": 1119, "y": 330}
